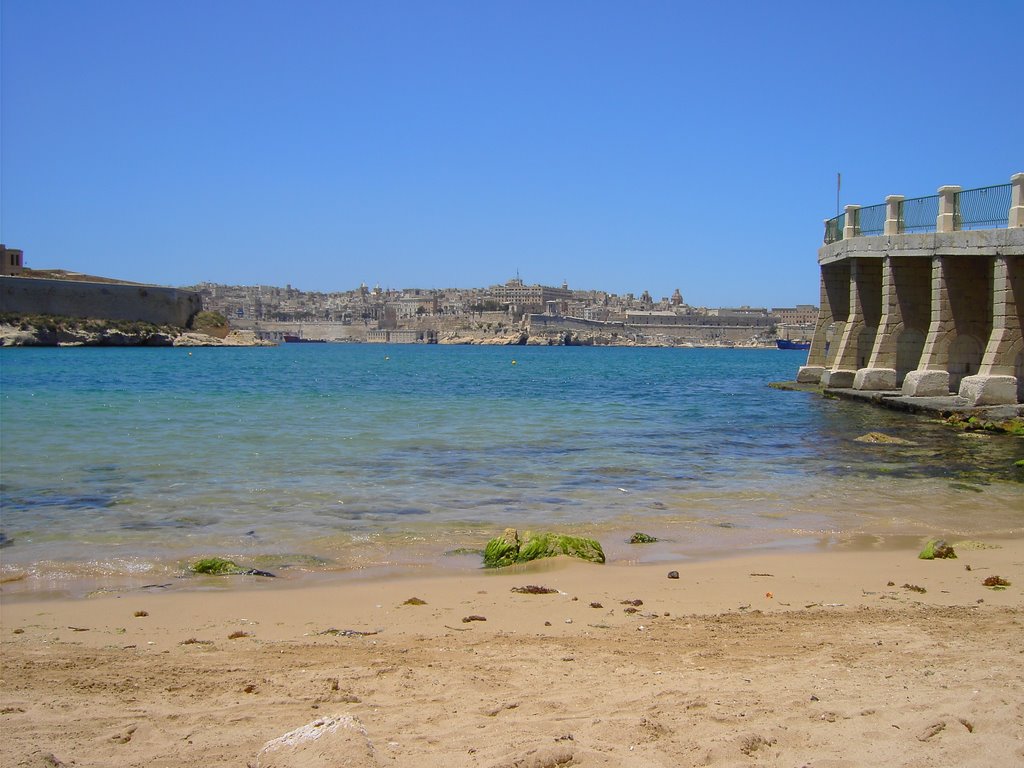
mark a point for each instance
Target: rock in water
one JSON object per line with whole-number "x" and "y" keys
{"x": 509, "y": 549}
{"x": 937, "y": 549}
{"x": 642, "y": 538}
{"x": 216, "y": 566}
{"x": 883, "y": 439}
{"x": 329, "y": 742}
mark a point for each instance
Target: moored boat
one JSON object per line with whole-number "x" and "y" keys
{"x": 790, "y": 344}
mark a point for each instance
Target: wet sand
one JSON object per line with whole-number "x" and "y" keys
{"x": 810, "y": 659}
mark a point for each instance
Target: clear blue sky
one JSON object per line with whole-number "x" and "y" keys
{"x": 621, "y": 146}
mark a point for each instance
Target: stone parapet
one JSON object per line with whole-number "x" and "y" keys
{"x": 976, "y": 242}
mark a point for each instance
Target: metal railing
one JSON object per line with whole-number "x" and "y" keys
{"x": 918, "y": 214}
{"x": 871, "y": 220}
{"x": 834, "y": 228}
{"x": 983, "y": 208}
{"x": 980, "y": 208}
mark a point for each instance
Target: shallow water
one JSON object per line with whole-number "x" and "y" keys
{"x": 118, "y": 465}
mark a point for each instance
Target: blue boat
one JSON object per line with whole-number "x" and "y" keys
{"x": 787, "y": 344}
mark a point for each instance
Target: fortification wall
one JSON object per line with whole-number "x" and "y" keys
{"x": 318, "y": 331}
{"x": 106, "y": 301}
{"x": 541, "y": 323}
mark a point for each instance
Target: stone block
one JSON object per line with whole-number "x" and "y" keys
{"x": 989, "y": 390}
{"x": 809, "y": 374}
{"x": 838, "y": 379}
{"x": 875, "y": 379}
{"x": 926, "y": 384}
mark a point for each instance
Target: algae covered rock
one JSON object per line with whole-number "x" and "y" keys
{"x": 642, "y": 538}
{"x": 509, "y": 549}
{"x": 937, "y": 549}
{"x": 215, "y": 566}
{"x": 880, "y": 438}
{"x": 219, "y": 566}
{"x": 502, "y": 550}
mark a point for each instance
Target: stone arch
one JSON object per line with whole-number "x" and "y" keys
{"x": 909, "y": 345}
{"x": 964, "y": 359}
{"x": 865, "y": 342}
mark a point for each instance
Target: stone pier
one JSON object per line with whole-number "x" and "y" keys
{"x": 925, "y": 313}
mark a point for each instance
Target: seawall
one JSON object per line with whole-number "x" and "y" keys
{"x": 109, "y": 301}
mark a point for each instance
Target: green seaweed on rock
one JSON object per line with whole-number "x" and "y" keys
{"x": 937, "y": 549}
{"x": 215, "y": 566}
{"x": 642, "y": 538}
{"x": 219, "y": 566}
{"x": 509, "y": 549}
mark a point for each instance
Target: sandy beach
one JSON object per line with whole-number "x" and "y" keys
{"x": 818, "y": 659}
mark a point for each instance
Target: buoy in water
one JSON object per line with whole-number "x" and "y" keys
{"x": 513, "y": 362}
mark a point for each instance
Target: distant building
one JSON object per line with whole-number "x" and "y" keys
{"x": 801, "y": 314}
{"x": 13, "y": 261}
{"x": 522, "y": 298}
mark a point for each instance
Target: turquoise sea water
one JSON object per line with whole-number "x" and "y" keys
{"x": 118, "y": 465}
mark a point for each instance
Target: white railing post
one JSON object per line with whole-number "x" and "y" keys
{"x": 850, "y": 228}
{"x": 892, "y": 214}
{"x": 946, "y": 220}
{"x": 1016, "y": 200}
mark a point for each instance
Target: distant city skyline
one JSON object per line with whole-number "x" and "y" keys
{"x": 649, "y": 147}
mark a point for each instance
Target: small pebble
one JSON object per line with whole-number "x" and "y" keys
{"x": 673, "y": 574}
{"x": 568, "y": 621}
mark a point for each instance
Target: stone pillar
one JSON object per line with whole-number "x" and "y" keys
{"x": 861, "y": 325}
{"x": 880, "y": 373}
{"x": 1017, "y": 200}
{"x": 961, "y": 323}
{"x": 811, "y": 373}
{"x": 893, "y": 204}
{"x": 996, "y": 381}
{"x": 946, "y": 221}
{"x": 931, "y": 379}
{"x": 851, "y": 227}
{"x": 834, "y": 311}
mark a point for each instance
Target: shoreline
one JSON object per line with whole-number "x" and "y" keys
{"x": 843, "y": 570}
{"x": 795, "y": 659}
{"x": 52, "y": 580}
